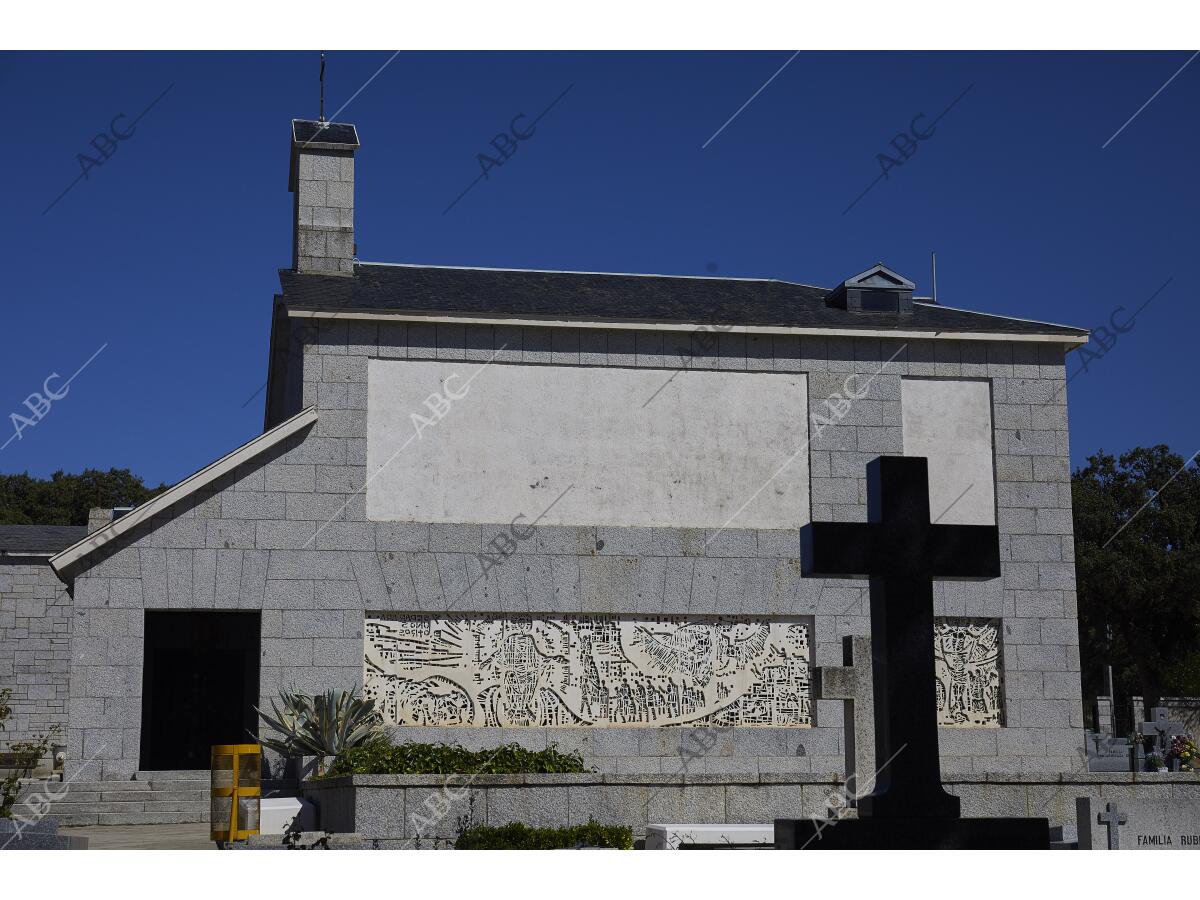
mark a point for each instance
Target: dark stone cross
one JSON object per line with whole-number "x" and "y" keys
{"x": 901, "y": 551}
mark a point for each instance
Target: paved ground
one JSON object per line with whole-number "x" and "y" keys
{"x": 144, "y": 837}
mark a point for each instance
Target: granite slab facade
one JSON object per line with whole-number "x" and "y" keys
{"x": 288, "y": 535}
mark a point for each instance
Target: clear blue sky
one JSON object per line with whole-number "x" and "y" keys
{"x": 168, "y": 251}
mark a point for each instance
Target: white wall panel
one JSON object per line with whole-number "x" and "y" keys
{"x": 710, "y": 446}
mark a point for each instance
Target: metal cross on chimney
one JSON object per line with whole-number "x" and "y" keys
{"x": 322, "y": 111}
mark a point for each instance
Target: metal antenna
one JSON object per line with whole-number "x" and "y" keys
{"x": 934, "y": 255}
{"x": 322, "y": 119}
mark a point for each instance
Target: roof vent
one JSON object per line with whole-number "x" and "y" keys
{"x": 877, "y": 291}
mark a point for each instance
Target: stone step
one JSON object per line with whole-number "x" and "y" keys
{"x": 172, "y": 775}
{"x": 79, "y": 818}
{"x": 156, "y": 796}
{"x": 76, "y": 796}
{"x": 131, "y": 813}
{"x": 201, "y": 810}
{"x": 93, "y": 807}
{"x": 126, "y": 786}
{"x": 178, "y": 786}
{"x": 82, "y": 784}
{"x": 69, "y": 807}
{"x": 119, "y": 790}
{"x": 119, "y": 805}
{"x": 150, "y": 818}
{"x": 153, "y": 798}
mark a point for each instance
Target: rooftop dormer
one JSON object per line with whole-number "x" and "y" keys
{"x": 877, "y": 290}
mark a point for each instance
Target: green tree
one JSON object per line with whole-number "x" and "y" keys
{"x": 64, "y": 499}
{"x": 1137, "y": 544}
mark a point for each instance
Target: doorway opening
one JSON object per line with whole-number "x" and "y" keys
{"x": 199, "y": 685}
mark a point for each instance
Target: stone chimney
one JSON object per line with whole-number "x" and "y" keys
{"x": 322, "y": 183}
{"x": 98, "y": 517}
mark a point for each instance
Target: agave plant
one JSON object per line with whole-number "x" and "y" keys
{"x": 323, "y": 725}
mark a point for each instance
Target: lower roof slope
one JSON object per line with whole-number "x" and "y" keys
{"x": 38, "y": 540}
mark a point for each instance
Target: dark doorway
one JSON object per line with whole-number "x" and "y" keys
{"x": 199, "y": 685}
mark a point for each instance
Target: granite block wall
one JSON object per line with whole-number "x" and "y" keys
{"x": 324, "y": 209}
{"x": 35, "y": 655}
{"x": 288, "y": 534}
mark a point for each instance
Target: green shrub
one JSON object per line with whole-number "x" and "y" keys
{"x": 516, "y": 836}
{"x": 382, "y": 757}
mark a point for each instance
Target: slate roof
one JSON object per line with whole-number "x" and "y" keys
{"x": 39, "y": 538}
{"x": 612, "y": 297}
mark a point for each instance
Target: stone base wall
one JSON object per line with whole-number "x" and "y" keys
{"x": 671, "y": 751}
{"x": 396, "y": 809}
{"x": 35, "y": 652}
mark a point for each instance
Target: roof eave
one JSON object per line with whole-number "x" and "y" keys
{"x": 1072, "y": 339}
{"x": 64, "y": 562}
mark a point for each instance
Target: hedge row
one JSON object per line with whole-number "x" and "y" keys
{"x": 385, "y": 758}
{"x": 515, "y": 836}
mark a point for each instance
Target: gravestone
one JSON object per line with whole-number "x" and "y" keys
{"x": 1137, "y": 710}
{"x": 42, "y": 834}
{"x": 1138, "y": 824}
{"x": 1104, "y": 715}
{"x": 902, "y": 551}
{"x": 1185, "y": 711}
{"x": 1106, "y": 753}
{"x": 709, "y": 837}
{"x": 852, "y": 682}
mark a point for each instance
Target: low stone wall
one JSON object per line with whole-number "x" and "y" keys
{"x": 396, "y": 810}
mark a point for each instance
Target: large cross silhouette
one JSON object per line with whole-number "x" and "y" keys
{"x": 901, "y": 551}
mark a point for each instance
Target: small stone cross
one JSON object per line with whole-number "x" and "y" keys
{"x": 1161, "y": 729}
{"x": 852, "y": 682}
{"x": 1114, "y": 819}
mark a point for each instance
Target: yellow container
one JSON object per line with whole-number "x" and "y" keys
{"x": 236, "y": 791}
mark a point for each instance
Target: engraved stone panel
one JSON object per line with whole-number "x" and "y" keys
{"x": 967, "y": 659}
{"x": 588, "y": 671}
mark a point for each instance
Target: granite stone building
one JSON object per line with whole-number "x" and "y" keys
{"x": 567, "y": 507}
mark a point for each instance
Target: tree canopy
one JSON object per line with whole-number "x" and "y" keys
{"x": 64, "y": 499}
{"x": 1137, "y": 546}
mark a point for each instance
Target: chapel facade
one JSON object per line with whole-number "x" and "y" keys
{"x": 569, "y": 507}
